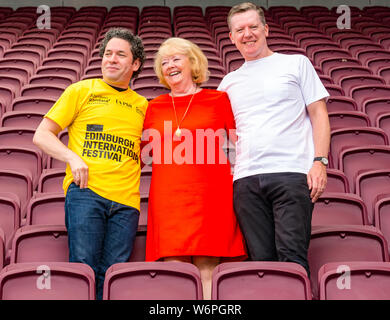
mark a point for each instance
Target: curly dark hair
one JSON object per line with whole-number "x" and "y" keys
{"x": 137, "y": 48}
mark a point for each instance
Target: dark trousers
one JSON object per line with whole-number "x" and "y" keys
{"x": 274, "y": 212}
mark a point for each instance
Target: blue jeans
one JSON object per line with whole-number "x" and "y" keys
{"x": 101, "y": 232}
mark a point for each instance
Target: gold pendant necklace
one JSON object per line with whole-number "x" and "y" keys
{"x": 178, "y": 130}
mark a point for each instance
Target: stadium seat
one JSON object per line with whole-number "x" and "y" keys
{"x": 51, "y": 181}
{"x": 260, "y": 280}
{"x": 152, "y": 281}
{"x": 43, "y": 91}
{"x": 32, "y": 104}
{"x": 384, "y": 72}
{"x": 338, "y": 72}
{"x": 337, "y": 181}
{"x": 354, "y": 137}
{"x": 338, "y": 209}
{"x": 34, "y": 243}
{"x": 339, "y": 103}
{"x": 382, "y": 216}
{"x": 355, "y": 160}
{"x": 350, "y": 82}
{"x": 21, "y": 159}
{"x": 383, "y": 121}
{"x": 139, "y": 247}
{"x": 52, "y": 80}
{"x": 2, "y": 249}
{"x": 366, "y": 92}
{"x": 344, "y": 243}
{"x": 338, "y": 61}
{"x": 376, "y": 63}
{"x": 370, "y": 185}
{"x": 355, "y": 280}
{"x": 19, "y": 184}
{"x": 376, "y": 106}
{"x": 47, "y": 280}
{"x": 345, "y": 119}
{"x": 46, "y": 209}
{"x": 9, "y": 216}
{"x": 21, "y": 119}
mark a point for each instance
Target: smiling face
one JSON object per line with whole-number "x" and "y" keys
{"x": 249, "y": 35}
{"x": 176, "y": 70}
{"x": 117, "y": 63}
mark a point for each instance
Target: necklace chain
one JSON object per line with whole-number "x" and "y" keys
{"x": 178, "y": 130}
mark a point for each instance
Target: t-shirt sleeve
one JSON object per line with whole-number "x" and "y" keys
{"x": 228, "y": 113}
{"x": 310, "y": 83}
{"x": 64, "y": 111}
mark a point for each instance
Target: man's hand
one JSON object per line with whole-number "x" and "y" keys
{"x": 316, "y": 180}
{"x": 79, "y": 171}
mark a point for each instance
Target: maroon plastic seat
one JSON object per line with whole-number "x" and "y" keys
{"x": 33, "y": 104}
{"x": 376, "y": 106}
{"x": 139, "y": 247}
{"x": 384, "y": 72}
{"x": 354, "y": 161}
{"x": 260, "y": 280}
{"x": 354, "y": 137}
{"x": 353, "y": 81}
{"x": 338, "y": 61}
{"x": 51, "y": 80}
{"x": 366, "y": 92}
{"x": 21, "y": 159}
{"x": 383, "y": 121}
{"x": 51, "y": 181}
{"x": 344, "y": 243}
{"x": 371, "y": 185}
{"x": 365, "y": 55}
{"x": 366, "y": 281}
{"x": 19, "y": 184}
{"x": 340, "y": 104}
{"x": 43, "y": 91}
{"x": 47, "y": 280}
{"x": 9, "y": 216}
{"x": 375, "y": 63}
{"x": 2, "y": 249}
{"x": 46, "y": 209}
{"x": 382, "y": 215}
{"x": 34, "y": 243}
{"x": 339, "y": 208}
{"x": 18, "y": 72}
{"x": 152, "y": 281}
{"x": 337, "y": 181}
{"x": 345, "y": 119}
{"x": 150, "y": 91}
{"x": 25, "y": 119}
{"x": 62, "y": 70}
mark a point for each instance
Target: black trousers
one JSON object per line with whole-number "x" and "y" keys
{"x": 274, "y": 212}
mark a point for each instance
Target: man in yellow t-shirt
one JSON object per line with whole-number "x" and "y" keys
{"x": 104, "y": 118}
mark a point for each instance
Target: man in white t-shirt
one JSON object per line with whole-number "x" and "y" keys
{"x": 283, "y": 134}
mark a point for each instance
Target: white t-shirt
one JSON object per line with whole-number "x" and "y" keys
{"x": 269, "y": 98}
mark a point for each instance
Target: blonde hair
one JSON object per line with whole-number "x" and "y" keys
{"x": 199, "y": 63}
{"x": 244, "y": 7}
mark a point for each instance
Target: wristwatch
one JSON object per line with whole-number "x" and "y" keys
{"x": 323, "y": 160}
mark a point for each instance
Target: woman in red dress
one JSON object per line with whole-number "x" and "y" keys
{"x": 190, "y": 212}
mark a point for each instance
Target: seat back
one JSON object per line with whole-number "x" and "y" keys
{"x": 260, "y": 280}
{"x": 46, "y": 280}
{"x": 356, "y": 280}
{"x": 338, "y": 209}
{"x": 152, "y": 281}
{"x": 33, "y": 243}
{"x": 344, "y": 243}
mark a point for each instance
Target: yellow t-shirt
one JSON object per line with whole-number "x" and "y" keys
{"x": 105, "y": 128}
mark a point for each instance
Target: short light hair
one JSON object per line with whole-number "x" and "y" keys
{"x": 244, "y": 7}
{"x": 198, "y": 60}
